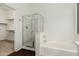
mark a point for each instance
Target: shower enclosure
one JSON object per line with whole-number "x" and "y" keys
{"x": 31, "y": 24}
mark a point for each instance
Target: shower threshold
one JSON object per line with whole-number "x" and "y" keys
{"x": 28, "y": 48}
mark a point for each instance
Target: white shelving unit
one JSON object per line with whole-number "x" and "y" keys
{"x": 10, "y": 25}
{"x": 7, "y": 17}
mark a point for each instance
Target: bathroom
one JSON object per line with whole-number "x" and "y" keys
{"x": 60, "y": 29}
{"x": 49, "y": 29}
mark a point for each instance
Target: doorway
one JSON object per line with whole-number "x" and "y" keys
{"x": 7, "y": 29}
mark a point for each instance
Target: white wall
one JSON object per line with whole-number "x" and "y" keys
{"x": 21, "y": 9}
{"x": 58, "y": 21}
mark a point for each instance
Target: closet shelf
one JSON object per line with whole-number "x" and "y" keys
{"x": 10, "y": 19}
{"x": 3, "y": 23}
{"x": 10, "y": 30}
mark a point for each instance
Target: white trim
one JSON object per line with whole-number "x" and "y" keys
{"x": 77, "y": 35}
{"x": 75, "y": 19}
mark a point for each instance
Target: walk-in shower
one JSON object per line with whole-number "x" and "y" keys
{"x": 31, "y": 24}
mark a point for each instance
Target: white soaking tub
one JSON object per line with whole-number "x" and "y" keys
{"x": 55, "y": 48}
{"x": 52, "y": 49}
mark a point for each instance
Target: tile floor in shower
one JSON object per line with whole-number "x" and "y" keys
{"x": 6, "y": 47}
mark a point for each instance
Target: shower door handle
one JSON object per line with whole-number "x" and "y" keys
{"x": 26, "y": 27}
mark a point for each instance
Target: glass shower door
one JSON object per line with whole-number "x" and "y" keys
{"x": 31, "y": 24}
{"x": 27, "y": 30}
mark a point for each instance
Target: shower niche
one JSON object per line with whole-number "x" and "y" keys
{"x": 31, "y": 24}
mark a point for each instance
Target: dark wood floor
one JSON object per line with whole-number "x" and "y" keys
{"x": 23, "y": 52}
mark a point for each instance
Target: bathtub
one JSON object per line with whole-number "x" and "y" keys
{"x": 52, "y": 49}
{"x": 55, "y": 48}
